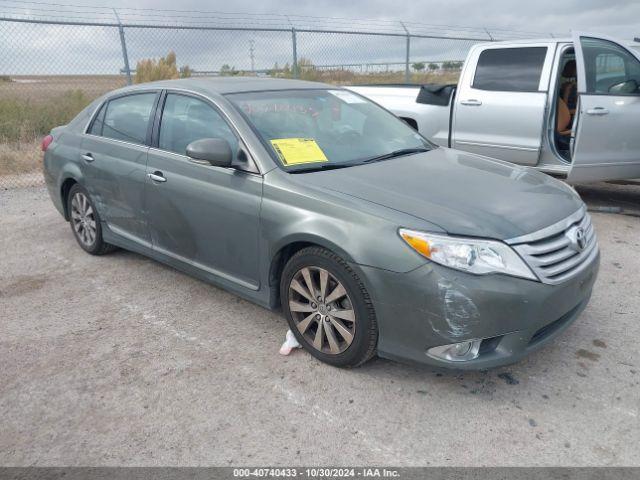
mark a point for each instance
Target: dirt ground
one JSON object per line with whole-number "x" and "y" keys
{"x": 119, "y": 360}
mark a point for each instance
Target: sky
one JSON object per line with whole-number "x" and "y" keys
{"x": 613, "y": 17}
{"x": 43, "y": 49}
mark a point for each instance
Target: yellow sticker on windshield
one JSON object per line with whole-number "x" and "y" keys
{"x": 298, "y": 151}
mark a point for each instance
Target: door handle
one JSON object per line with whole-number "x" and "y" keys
{"x": 156, "y": 177}
{"x": 87, "y": 157}
{"x": 472, "y": 102}
{"x": 597, "y": 111}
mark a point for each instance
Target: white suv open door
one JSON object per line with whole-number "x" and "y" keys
{"x": 607, "y": 142}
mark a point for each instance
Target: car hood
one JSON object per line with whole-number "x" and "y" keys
{"x": 462, "y": 193}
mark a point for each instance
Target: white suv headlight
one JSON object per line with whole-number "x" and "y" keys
{"x": 468, "y": 254}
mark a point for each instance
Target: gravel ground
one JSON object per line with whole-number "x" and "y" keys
{"x": 119, "y": 360}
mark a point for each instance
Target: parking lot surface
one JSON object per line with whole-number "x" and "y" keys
{"x": 119, "y": 360}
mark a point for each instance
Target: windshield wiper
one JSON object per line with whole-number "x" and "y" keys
{"x": 395, "y": 153}
{"x": 386, "y": 156}
{"x": 326, "y": 166}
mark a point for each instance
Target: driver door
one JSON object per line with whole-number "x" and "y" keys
{"x": 198, "y": 214}
{"x": 607, "y": 144}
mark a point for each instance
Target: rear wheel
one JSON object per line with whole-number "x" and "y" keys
{"x": 85, "y": 222}
{"x": 328, "y": 308}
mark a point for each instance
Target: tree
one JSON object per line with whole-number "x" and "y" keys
{"x": 185, "y": 71}
{"x": 452, "y": 65}
{"x": 418, "y": 66}
{"x": 164, "y": 68}
{"x": 433, "y": 67}
{"x": 227, "y": 71}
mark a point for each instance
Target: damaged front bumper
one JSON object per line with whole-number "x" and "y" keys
{"x": 434, "y": 306}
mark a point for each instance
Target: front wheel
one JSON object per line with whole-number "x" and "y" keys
{"x": 328, "y": 308}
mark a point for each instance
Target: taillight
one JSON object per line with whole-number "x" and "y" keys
{"x": 46, "y": 141}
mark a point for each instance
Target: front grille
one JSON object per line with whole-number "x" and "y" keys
{"x": 554, "y": 253}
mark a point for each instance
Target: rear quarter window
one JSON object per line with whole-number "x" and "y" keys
{"x": 510, "y": 69}
{"x": 98, "y": 121}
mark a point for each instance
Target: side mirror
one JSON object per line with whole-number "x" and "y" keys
{"x": 215, "y": 151}
{"x": 628, "y": 86}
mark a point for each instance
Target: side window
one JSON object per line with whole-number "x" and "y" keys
{"x": 186, "y": 119}
{"x": 127, "y": 118}
{"x": 510, "y": 69}
{"x": 609, "y": 68}
{"x": 98, "y": 121}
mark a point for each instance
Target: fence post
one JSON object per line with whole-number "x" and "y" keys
{"x": 489, "y": 34}
{"x": 407, "y": 71}
{"x": 294, "y": 66}
{"x": 123, "y": 43}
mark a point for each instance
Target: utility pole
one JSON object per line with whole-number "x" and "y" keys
{"x": 251, "y": 56}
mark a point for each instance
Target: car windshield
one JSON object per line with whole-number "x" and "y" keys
{"x": 309, "y": 130}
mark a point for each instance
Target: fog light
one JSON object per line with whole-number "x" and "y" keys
{"x": 456, "y": 352}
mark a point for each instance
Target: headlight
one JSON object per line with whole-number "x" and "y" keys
{"x": 468, "y": 254}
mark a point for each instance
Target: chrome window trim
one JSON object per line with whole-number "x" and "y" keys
{"x": 550, "y": 230}
{"x": 115, "y": 140}
{"x": 181, "y": 157}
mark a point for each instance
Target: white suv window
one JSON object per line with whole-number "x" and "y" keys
{"x": 609, "y": 68}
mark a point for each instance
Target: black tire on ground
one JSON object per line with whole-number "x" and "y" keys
{"x": 94, "y": 245}
{"x": 365, "y": 327}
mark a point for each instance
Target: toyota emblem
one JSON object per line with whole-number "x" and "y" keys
{"x": 578, "y": 238}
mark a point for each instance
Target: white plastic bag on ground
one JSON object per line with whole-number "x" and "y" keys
{"x": 289, "y": 344}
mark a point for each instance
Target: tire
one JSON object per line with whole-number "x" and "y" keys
{"x": 347, "y": 322}
{"x": 85, "y": 222}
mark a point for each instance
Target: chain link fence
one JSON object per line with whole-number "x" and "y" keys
{"x": 51, "y": 69}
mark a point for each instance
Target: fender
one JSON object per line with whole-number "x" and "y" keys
{"x": 70, "y": 171}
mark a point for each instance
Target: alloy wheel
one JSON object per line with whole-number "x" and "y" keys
{"x": 322, "y": 310}
{"x": 83, "y": 218}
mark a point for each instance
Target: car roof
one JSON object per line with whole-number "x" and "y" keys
{"x": 231, "y": 84}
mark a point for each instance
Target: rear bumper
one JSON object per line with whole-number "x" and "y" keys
{"x": 433, "y": 306}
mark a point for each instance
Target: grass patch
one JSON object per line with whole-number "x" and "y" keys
{"x": 24, "y": 119}
{"x": 23, "y": 123}
{"x": 20, "y": 157}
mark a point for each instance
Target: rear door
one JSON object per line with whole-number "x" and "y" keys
{"x": 500, "y": 105}
{"x": 114, "y": 157}
{"x": 607, "y": 143}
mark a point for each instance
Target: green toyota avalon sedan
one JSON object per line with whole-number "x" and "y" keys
{"x": 311, "y": 199}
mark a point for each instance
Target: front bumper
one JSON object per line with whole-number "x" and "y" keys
{"x": 434, "y": 305}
